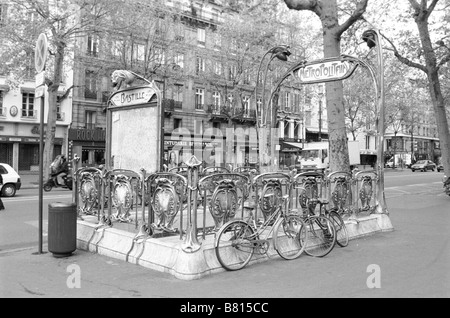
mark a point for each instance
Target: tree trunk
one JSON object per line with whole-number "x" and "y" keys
{"x": 339, "y": 157}
{"x": 51, "y": 116}
{"x": 434, "y": 87}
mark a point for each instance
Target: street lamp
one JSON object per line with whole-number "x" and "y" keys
{"x": 372, "y": 38}
{"x": 282, "y": 53}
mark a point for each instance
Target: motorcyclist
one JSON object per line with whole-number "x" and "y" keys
{"x": 62, "y": 171}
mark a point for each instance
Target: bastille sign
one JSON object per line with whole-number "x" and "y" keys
{"x": 325, "y": 71}
{"x": 130, "y": 97}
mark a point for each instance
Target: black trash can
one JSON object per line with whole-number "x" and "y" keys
{"x": 62, "y": 228}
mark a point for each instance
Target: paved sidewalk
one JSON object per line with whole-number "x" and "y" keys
{"x": 413, "y": 261}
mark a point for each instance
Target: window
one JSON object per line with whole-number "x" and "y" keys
{"x": 217, "y": 41}
{"x": 232, "y": 72}
{"x": 287, "y": 101}
{"x": 246, "y": 103}
{"x": 178, "y": 59}
{"x": 286, "y": 129}
{"x": 59, "y": 114}
{"x": 2, "y": 110}
{"x": 3, "y": 9}
{"x": 201, "y": 36}
{"x": 91, "y": 119}
{"x": 199, "y": 127}
{"x": 246, "y": 77}
{"x": 199, "y": 98}
{"x": 178, "y": 30}
{"x": 178, "y": 94}
{"x": 230, "y": 100}
{"x": 90, "y": 90}
{"x": 259, "y": 104}
{"x": 117, "y": 48}
{"x": 28, "y": 105}
{"x": 215, "y": 15}
{"x": 200, "y": 65}
{"x": 160, "y": 56}
{"x": 139, "y": 52}
{"x": 308, "y": 118}
{"x": 216, "y": 100}
{"x": 92, "y": 45}
{"x": 217, "y": 68}
{"x": 177, "y": 123}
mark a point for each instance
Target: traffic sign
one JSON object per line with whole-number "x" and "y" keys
{"x": 41, "y": 53}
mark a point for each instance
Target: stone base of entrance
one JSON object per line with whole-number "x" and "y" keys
{"x": 165, "y": 254}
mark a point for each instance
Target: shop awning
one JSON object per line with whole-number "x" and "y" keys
{"x": 316, "y": 130}
{"x": 297, "y": 145}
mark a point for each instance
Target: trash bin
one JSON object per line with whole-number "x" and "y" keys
{"x": 62, "y": 228}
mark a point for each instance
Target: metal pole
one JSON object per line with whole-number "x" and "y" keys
{"x": 381, "y": 204}
{"x": 41, "y": 169}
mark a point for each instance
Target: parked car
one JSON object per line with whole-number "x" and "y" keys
{"x": 440, "y": 167}
{"x": 11, "y": 180}
{"x": 423, "y": 165}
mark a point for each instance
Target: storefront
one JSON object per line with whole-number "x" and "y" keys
{"x": 178, "y": 149}
{"x": 89, "y": 145}
{"x": 22, "y": 151}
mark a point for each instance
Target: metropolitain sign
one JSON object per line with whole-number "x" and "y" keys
{"x": 325, "y": 71}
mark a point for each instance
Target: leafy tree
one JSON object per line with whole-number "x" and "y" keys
{"x": 428, "y": 51}
{"x": 63, "y": 22}
{"x": 327, "y": 12}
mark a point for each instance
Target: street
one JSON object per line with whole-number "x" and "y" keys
{"x": 411, "y": 261}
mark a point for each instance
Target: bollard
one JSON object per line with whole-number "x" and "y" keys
{"x": 62, "y": 228}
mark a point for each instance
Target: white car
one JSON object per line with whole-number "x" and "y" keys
{"x": 11, "y": 180}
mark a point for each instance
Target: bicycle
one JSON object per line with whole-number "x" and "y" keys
{"x": 237, "y": 240}
{"x": 342, "y": 236}
{"x": 321, "y": 231}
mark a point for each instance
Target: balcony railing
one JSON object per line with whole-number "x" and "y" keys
{"x": 218, "y": 110}
{"x": 178, "y": 105}
{"x": 168, "y": 105}
{"x": 199, "y": 106}
{"x": 90, "y": 94}
{"x": 105, "y": 96}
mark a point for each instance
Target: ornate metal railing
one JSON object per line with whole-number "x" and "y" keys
{"x": 193, "y": 202}
{"x": 89, "y": 184}
{"x": 223, "y": 194}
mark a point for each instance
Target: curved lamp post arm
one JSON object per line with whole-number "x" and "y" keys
{"x": 372, "y": 38}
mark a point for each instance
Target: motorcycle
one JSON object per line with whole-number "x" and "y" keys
{"x": 52, "y": 183}
{"x": 58, "y": 166}
{"x": 446, "y": 181}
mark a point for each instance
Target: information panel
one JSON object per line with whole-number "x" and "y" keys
{"x": 134, "y": 140}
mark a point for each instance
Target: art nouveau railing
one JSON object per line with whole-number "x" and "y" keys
{"x": 193, "y": 202}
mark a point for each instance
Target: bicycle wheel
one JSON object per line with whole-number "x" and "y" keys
{"x": 290, "y": 237}
{"x": 233, "y": 245}
{"x": 341, "y": 229}
{"x": 321, "y": 236}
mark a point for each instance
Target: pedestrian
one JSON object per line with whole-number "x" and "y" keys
{"x": 2, "y": 207}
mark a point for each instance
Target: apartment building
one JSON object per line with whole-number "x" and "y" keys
{"x": 205, "y": 105}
